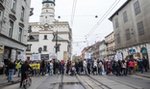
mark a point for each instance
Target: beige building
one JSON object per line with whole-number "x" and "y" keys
{"x": 131, "y": 28}
{"x": 103, "y": 50}
{"x": 14, "y": 16}
{"x": 110, "y": 44}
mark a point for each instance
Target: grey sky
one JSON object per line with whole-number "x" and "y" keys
{"x": 84, "y": 19}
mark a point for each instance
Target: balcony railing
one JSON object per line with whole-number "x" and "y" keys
{"x": 33, "y": 40}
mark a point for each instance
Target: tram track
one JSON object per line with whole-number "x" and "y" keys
{"x": 125, "y": 83}
{"x": 90, "y": 83}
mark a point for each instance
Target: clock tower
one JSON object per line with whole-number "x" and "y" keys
{"x": 48, "y": 12}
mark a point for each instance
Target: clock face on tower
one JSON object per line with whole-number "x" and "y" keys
{"x": 47, "y": 5}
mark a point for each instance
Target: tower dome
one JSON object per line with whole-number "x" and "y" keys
{"x": 48, "y": 1}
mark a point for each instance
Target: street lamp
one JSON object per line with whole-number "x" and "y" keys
{"x": 57, "y": 46}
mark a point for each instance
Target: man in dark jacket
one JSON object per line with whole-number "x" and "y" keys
{"x": 25, "y": 68}
{"x": 145, "y": 64}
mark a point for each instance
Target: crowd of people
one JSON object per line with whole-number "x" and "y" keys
{"x": 80, "y": 66}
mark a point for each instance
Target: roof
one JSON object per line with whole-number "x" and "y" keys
{"x": 109, "y": 34}
{"x": 119, "y": 9}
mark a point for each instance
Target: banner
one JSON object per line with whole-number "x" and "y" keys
{"x": 44, "y": 56}
{"x": 52, "y": 56}
{"x": 36, "y": 56}
{"x": 118, "y": 56}
{"x": 22, "y": 56}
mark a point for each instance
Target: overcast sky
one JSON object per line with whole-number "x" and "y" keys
{"x": 84, "y": 19}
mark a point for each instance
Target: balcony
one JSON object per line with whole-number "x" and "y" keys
{"x": 33, "y": 38}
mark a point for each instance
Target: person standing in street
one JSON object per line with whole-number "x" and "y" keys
{"x": 145, "y": 64}
{"x": 43, "y": 67}
{"x": 18, "y": 67}
{"x": 11, "y": 68}
{"x": 140, "y": 65}
{"x": 25, "y": 69}
{"x": 85, "y": 66}
{"x": 124, "y": 67}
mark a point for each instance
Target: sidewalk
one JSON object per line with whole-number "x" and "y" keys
{"x": 4, "y": 81}
{"x": 145, "y": 74}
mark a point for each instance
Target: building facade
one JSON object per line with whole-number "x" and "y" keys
{"x": 110, "y": 44}
{"x": 50, "y": 38}
{"x": 131, "y": 28}
{"x": 96, "y": 53}
{"x": 103, "y": 50}
{"x": 14, "y": 16}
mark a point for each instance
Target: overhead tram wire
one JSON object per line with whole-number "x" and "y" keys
{"x": 73, "y": 11}
{"x": 103, "y": 17}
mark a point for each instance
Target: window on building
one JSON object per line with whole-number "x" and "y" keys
{"x": 140, "y": 28}
{"x": 30, "y": 29}
{"x": 45, "y": 37}
{"x": 46, "y": 17}
{"x": 22, "y": 14}
{"x": 116, "y": 23}
{"x": 44, "y": 48}
{"x": 11, "y": 28}
{"x": 0, "y": 15}
{"x": 125, "y": 17}
{"x": 128, "y": 35}
{"x": 29, "y": 47}
{"x": 137, "y": 8}
{"x": 20, "y": 34}
{"x": 1, "y": 1}
{"x": 13, "y": 6}
{"x": 118, "y": 38}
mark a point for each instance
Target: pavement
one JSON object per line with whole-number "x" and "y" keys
{"x": 4, "y": 81}
{"x": 145, "y": 74}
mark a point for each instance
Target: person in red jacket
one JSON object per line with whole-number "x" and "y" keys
{"x": 131, "y": 65}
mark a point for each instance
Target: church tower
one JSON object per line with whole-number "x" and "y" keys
{"x": 48, "y": 12}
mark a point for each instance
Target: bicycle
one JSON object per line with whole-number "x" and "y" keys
{"x": 27, "y": 82}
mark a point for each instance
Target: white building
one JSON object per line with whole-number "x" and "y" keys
{"x": 14, "y": 16}
{"x": 41, "y": 38}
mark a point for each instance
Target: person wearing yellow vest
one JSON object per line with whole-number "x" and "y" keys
{"x": 18, "y": 67}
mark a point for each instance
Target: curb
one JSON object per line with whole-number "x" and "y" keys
{"x": 146, "y": 76}
{"x": 9, "y": 83}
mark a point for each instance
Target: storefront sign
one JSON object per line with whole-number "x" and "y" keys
{"x": 143, "y": 50}
{"x": 132, "y": 51}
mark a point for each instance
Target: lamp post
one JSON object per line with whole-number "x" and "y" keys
{"x": 55, "y": 34}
